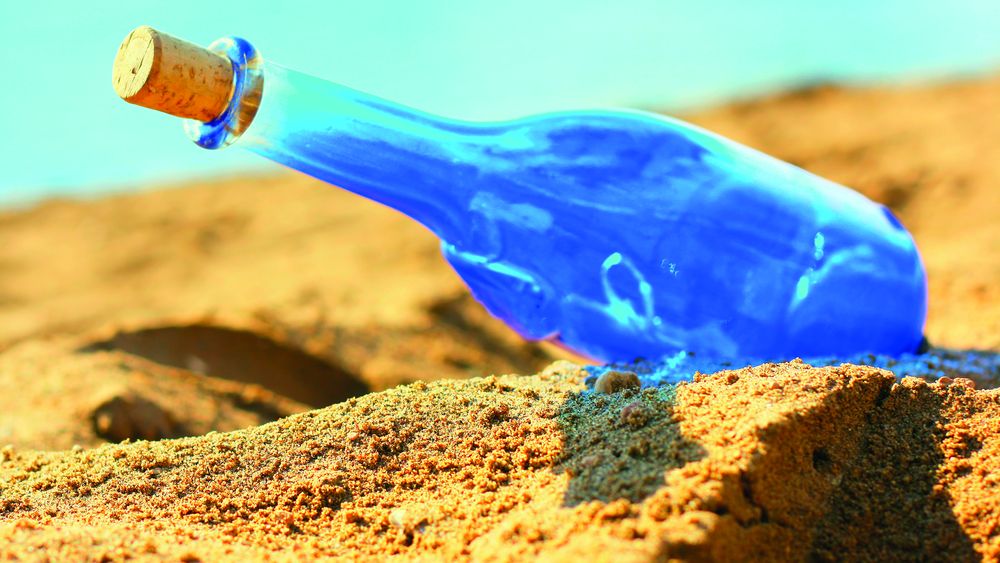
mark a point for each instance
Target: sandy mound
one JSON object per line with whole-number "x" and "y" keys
{"x": 774, "y": 462}
{"x": 219, "y": 307}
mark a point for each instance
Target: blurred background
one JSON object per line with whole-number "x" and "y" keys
{"x": 68, "y": 134}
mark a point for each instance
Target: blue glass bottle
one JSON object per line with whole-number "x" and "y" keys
{"x": 618, "y": 234}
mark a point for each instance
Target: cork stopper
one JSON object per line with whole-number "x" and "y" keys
{"x": 161, "y": 72}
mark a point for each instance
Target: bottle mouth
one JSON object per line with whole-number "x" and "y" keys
{"x": 248, "y": 89}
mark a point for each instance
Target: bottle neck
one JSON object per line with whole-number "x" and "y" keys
{"x": 403, "y": 158}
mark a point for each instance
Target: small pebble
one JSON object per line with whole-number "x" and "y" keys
{"x": 964, "y": 382}
{"x": 615, "y": 381}
{"x": 398, "y": 518}
{"x": 635, "y": 414}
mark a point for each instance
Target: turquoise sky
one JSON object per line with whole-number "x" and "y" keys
{"x": 67, "y": 133}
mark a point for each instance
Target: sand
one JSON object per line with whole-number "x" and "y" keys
{"x": 185, "y": 320}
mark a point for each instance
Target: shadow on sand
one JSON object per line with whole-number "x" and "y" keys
{"x": 620, "y": 446}
{"x": 852, "y": 477}
{"x": 243, "y": 356}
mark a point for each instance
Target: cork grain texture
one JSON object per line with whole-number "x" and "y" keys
{"x": 158, "y": 71}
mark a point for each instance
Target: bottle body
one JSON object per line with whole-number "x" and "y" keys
{"x": 618, "y": 234}
{"x": 628, "y": 235}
